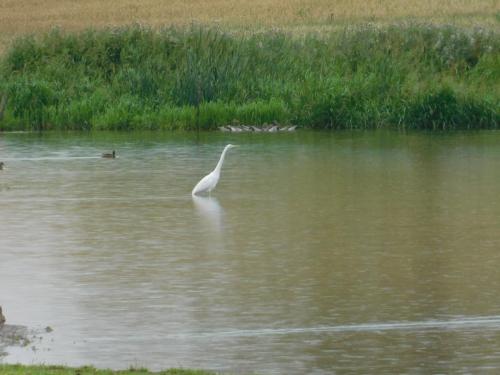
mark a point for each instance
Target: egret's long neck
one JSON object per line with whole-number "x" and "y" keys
{"x": 221, "y": 160}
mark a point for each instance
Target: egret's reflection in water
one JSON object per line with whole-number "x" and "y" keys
{"x": 210, "y": 212}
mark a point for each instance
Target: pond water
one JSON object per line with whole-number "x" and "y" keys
{"x": 369, "y": 252}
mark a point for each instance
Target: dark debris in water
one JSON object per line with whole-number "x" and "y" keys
{"x": 19, "y": 336}
{"x": 13, "y": 335}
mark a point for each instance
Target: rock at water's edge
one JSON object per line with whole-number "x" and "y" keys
{"x": 2, "y": 318}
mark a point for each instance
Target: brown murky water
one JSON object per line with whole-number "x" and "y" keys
{"x": 317, "y": 253}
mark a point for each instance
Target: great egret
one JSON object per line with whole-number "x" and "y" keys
{"x": 209, "y": 182}
{"x": 109, "y": 155}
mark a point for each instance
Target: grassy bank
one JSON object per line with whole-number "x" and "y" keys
{"x": 62, "y": 370}
{"x": 406, "y": 76}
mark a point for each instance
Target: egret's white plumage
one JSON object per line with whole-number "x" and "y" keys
{"x": 209, "y": 182}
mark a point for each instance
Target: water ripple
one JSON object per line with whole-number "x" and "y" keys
{"x": 490, "y": 322}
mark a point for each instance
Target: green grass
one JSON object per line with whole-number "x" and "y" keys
{"x": 63, "y": 370}
{"x": 401, "y": 76}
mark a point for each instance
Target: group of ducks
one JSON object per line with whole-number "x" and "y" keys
{"x": 267, "y": 128}
{"x": 106, "y": 155}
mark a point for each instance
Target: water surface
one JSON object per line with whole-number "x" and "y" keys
{"x": 317, "y": 253}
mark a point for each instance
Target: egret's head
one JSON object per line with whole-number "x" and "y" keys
{"x": 231, "y": 146}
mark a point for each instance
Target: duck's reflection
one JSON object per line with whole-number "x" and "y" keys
{"x": 210, "y": 211}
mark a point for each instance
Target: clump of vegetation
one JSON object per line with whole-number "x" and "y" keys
{"x": 406, "y": 76}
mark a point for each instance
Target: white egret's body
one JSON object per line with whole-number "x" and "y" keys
{"x": 208, "y": 183}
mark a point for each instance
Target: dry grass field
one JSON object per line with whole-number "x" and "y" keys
{"x": 18, "y": 17}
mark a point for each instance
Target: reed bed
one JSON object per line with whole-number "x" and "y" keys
{"x": 406, "y": 76}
